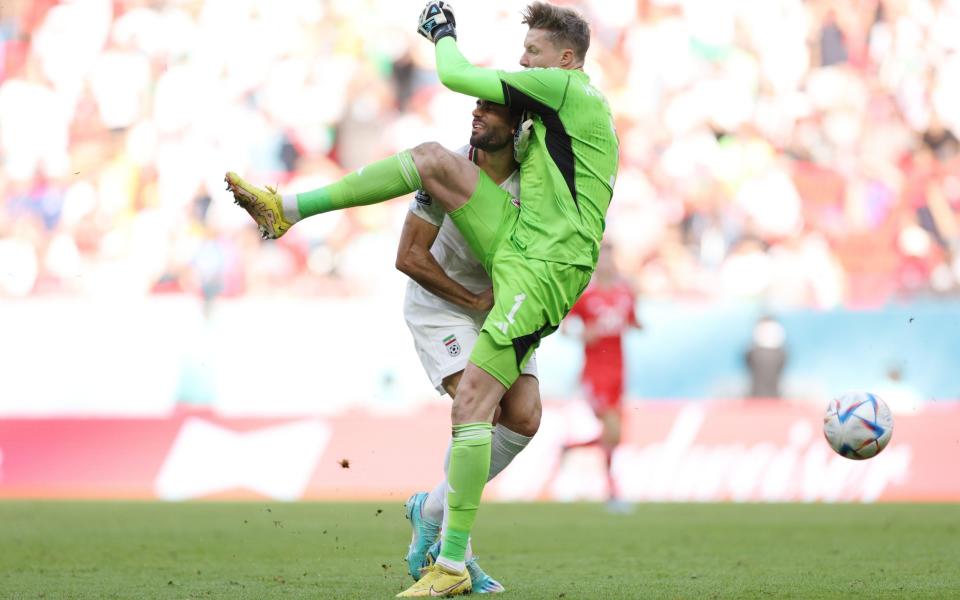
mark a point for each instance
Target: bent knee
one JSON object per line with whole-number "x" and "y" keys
{"x": 525, "y": 421}
{"x": 429, "y": 157}
{"x": 611, "y": 434}
{"x": 528, "y": 425}
{"x": 429, "y": 148}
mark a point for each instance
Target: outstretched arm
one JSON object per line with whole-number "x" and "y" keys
{"x": 537, "y": 90}
{"x": 457, "y": 74}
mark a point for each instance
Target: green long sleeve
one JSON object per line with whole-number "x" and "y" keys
{"x": 457, "y": 74}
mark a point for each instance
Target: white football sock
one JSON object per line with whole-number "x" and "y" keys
{"x": 436, "y": 503}
{"x": 291, "y": 208}
{"x": 505, "y": 446}
{"x": 452, "y": 566}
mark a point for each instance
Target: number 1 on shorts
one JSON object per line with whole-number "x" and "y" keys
{"x": 518, "y": 300}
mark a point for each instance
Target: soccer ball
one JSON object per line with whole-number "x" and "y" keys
{"x": 858, "y": 425}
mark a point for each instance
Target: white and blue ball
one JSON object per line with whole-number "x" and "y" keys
{"x": 858, "y": 425}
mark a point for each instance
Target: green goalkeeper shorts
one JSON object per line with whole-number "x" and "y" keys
{"x": 531, "y": 296}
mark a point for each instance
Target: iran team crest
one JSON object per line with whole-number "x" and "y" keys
{"x": 452, "y": 345}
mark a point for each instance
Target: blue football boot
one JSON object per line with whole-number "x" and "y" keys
{"x": 425, "y": 533}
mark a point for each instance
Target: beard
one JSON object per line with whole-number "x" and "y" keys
{"x": 490, "y": 140}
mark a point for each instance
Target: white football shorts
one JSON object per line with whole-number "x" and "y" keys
{"x": 444, "y": 342}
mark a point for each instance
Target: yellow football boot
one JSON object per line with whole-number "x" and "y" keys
{"x": 264, "y": 205}
{"x": 439, "y": 582}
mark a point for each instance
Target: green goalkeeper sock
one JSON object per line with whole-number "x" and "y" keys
{"x": 376, "y": 182}
{"x": 467, "y": 475}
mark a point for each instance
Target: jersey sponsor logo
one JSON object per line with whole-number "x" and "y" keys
{"x": 423, "y": 198}
{"x": 452, "y": 345}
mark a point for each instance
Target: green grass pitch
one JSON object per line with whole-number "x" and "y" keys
{"x": 263, "y": 550}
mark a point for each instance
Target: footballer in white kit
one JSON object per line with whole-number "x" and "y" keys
{"x": 444, "y": 333}
{"x": 447, "y": 299}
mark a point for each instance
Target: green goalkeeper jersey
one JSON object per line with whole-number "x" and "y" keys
{"x": 568, "y": 164}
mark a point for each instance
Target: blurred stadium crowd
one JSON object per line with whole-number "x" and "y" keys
{"x": 802, "y": 154}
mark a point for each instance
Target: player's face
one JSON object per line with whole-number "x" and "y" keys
{"x": 540, "y": 51}
{"x": 491, "y": 129}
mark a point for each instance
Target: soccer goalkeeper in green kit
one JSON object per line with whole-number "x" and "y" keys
{"x": 540, "y": 255}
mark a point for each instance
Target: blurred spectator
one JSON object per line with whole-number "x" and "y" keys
{"x": 766, "y": 358}
{"x": 942, "y": 142}
{"x": 833, "y": 50}
{"x": 786, "y": 152}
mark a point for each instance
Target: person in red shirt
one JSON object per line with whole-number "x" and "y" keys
{"x": 607, "y": 310}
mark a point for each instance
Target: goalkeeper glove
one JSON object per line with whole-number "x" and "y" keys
{"x": 437, "y": 21}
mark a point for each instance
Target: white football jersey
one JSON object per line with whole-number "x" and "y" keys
{"x": 455, "y": 258}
